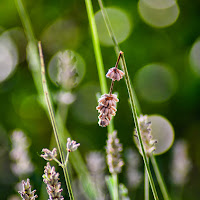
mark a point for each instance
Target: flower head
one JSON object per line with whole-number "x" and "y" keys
{"x": 72, "y": 145}
{"x": 49, "y": 155}
{"x": 26, "y": 192}
{"x": 115, "y": 74}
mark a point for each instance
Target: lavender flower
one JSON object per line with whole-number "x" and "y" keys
{"x": 26, "y": 192}
{"x": 51, "y": 178}
{"x": 115, "y": 74}
{"x": 148, "y": 141}
{"x": 113, "y": 150}
{"x": 49, "y": 155}
{"x": 72, "y": 145}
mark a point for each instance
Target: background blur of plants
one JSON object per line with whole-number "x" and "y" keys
{"x": 163, "y": 58}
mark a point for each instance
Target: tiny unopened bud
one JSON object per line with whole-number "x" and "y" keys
{"x": 72, "y": 145}
{"x": 49, "y": 155}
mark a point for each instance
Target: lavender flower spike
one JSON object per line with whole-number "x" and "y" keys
{"x": 113, "y": 150}
{"x": 26, "y": 192}
{"x": 72, "y": 145}
{"x": 51, "y": 178}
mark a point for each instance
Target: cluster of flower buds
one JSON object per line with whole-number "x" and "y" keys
{"x": 51, "y": 179}
{"x": 145, "y": 130}
{"x": 26, "y": 192}
{"x": 107, "y": 102}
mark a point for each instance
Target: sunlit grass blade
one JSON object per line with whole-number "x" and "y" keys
{"x": 159, "y": 178}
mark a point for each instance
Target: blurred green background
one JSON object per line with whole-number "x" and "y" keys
{"x": 162, "y": 50}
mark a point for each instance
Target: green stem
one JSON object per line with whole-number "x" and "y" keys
{"x": 115, "y": 187}
{"x": 146, "y": 184}
{"x": 132, "y": 99}
{"x": 159, "y": 178}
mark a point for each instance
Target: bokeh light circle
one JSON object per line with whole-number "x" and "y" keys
{"x": 61, "y": 34}
{"x": 120, "y": 23}
{"x": 195, "y": 57}
{"x": 158, "y": 18}
{"x": 66, "y": 68}
{"x": 84, "y": 108}
{"x": 163, "y": 132}
{"x": 8, "y": 56}
{"x": 156, "y": 82}
{"x": 160, "y": 4}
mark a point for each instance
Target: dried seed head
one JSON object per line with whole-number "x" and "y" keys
{"x": 49, "y": 155}
{"x": 145, "y": 130}
{"x": 115, "y": 74}
{"x": 72, "y": 145}
{"x": 113, "y": 150}
{"x": 26, "y": 192}
{"x": 51, "y": 179}
{"x": 108, "y": 100}
{"x": 107, "y": 108}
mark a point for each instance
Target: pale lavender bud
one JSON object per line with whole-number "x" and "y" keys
{"x": 113, "y": 150}
{"x": 26, "y": 192}
{"x": 49, "y": 155}
{"x": 72, "y": 145}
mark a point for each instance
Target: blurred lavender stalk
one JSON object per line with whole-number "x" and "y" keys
{"x": 19, "y": 154}
{"x": 181, "y": 164}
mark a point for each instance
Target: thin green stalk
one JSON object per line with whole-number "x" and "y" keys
{"x": 159, "y": 178}
{"x": 53, "y": 121}
{"x": 115, "y": 188}
{"x": 132, "y": 99}
{"x": 146, "y": 184}
{"x": 101, "y": 72}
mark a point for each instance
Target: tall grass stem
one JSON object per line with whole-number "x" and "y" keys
{"x": 160, "y": 178}
{"x": 146, "y": 184}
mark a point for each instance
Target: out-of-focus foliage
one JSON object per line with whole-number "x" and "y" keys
{"x": 169, "y": 87}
